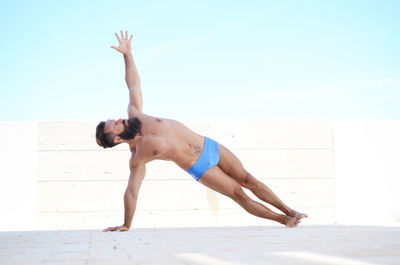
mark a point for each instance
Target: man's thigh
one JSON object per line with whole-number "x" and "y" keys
{"x": 217, "y": 180}
{"x": 231, "y": 165}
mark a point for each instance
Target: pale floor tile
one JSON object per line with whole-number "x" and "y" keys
{"x": 319, "y": 245}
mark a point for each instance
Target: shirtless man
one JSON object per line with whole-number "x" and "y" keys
{"x": 209, "y": 162}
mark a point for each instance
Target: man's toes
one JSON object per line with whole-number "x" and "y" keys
{"x": 304, "y": 215}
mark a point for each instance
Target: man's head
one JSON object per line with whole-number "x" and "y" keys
{"x": 113, "y": 132}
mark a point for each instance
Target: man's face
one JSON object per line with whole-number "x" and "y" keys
{"x": 115, "y": 126}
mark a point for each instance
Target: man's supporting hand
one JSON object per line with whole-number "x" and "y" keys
{"x": 124, "y": 44}
{"x": 121, "y": 228}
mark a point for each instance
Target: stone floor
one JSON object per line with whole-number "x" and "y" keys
{"x": 312, "y": 244}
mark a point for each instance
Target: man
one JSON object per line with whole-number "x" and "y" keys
{"x": 209, "y": 162}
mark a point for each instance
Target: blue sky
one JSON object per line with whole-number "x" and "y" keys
{"x": 202, "y": 59}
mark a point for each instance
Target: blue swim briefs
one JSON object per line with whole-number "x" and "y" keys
{"x": 208, "y": 158}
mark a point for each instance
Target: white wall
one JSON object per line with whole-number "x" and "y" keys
{"x": 17, "y": 176}
{"x": 367, "y": 171}
{"x": 366, "y": 157}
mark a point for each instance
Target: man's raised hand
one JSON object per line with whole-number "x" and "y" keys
{"x": 124, "y": 44}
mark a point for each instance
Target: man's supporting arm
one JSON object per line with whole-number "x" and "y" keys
{"x": 130, "y": 201}
{"x": 132, "y": 192}
{"x": 131, "y": 195}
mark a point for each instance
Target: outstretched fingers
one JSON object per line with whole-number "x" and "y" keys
{"x": 110, "y": 229}
{"x": 124, "y": 46}
{"x": 119, "y": 40}
{"x": 122, "y": 37}
{"x": 115, "y": 48}
{"x": 116, "y": 228}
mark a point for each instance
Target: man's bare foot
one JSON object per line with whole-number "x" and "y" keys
{"x": 292, "y": 221}
{"x": 294, "y": 213}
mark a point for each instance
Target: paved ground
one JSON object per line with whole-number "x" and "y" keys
{"x": 319, "y": 245}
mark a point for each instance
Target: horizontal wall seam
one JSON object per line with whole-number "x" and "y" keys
{"x": 189, "y": 179}
{"x": 189, "y": 210}
{"x": 233, "y": 149}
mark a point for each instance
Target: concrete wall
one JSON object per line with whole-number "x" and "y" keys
{"x": 81, "y": 186}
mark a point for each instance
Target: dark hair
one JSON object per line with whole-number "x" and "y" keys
{"x": 104, "y": 139}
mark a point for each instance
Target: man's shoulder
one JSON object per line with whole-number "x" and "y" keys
{"x": 133, "y": 111}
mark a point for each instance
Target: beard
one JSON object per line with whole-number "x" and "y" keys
{"x": 134, "y": 126}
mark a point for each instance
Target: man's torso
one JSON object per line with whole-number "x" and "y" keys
{"x": 166, "y": 139}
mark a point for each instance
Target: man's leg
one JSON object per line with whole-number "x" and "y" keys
{"x": 217, "y": 180}
{"x": 232, "y": 166}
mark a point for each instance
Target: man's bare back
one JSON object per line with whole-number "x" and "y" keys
{"x": 209, "y": 162}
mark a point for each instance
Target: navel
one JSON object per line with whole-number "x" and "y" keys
{"x": 158, "y": 120}
{"x": 155, "y": 152}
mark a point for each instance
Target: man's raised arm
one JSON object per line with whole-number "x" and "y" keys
{"x": 131, "y": 74}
